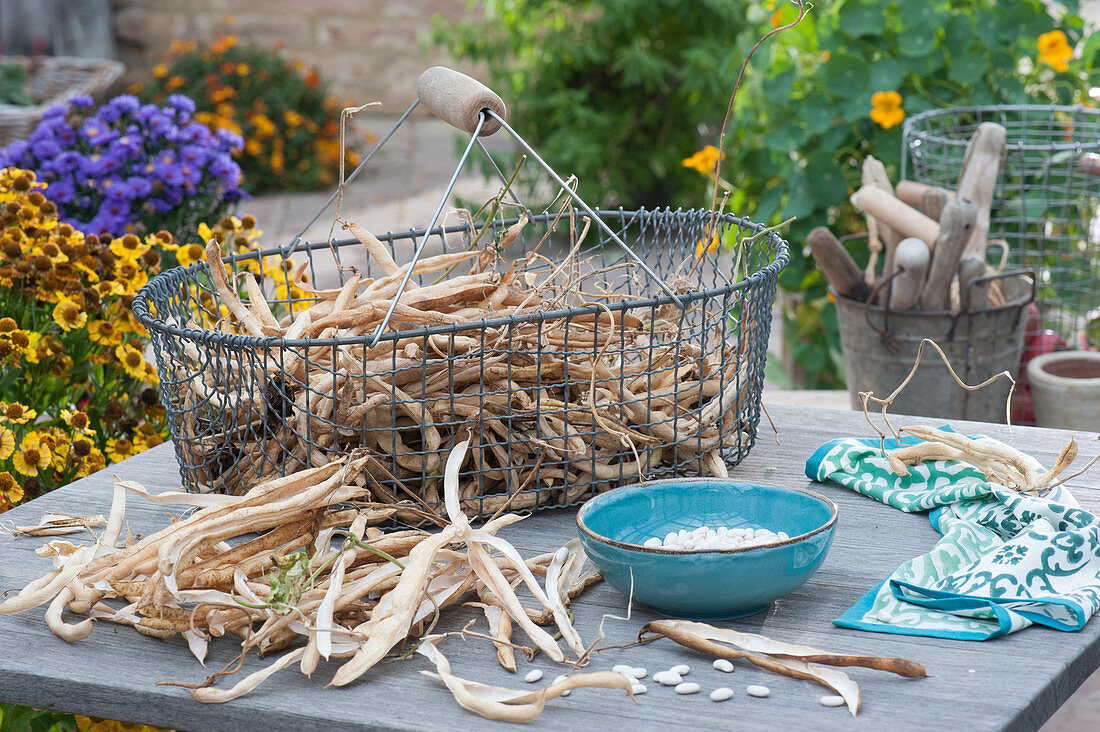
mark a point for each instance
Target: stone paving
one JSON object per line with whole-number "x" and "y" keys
{"x": 399, "y": 190}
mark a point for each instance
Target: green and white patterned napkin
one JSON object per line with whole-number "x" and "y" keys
{"x": 1004, "y": 562}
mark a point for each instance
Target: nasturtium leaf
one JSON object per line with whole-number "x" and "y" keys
{"x": 861, "y": 19}
{"x": 786, "y": 138}
{"x": 800, "y": 196}
{"x": 846, "y": 76}
{"x": 958, "y": 32}
{"x": 918, "y": 41}
{"x": 817, "y": 113}
{"x": 966, "y": 68}
{"x": 885, "y": 75}
{"x": 920, "y": 16}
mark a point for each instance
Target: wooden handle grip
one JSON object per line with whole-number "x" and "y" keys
{"x": 458, "y": 99}
{"x": 910, "y": 265}
{"x": 901, "y": 217}
{"x": 837, "y": 265}
{"x": 956, "y": 223}
{"x": 912, "y": 192}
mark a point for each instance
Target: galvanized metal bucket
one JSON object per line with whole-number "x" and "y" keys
{"x": 880, "y": 348}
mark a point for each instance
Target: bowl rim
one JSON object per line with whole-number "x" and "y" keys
{"x": 682, "y": 552}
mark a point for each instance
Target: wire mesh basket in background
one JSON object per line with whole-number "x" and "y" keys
{"x": 547, "y": 426}
{"x": 1045, "y": 202}
{"x": 54, "y": 80}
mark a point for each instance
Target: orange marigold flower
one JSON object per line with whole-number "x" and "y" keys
{"x": 160, "y": 71}
{"x": 886, "y": 109}
{"x": 174, "y": 83}
{"x": 1055, "y": 50}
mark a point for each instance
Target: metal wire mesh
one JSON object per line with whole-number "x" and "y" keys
{"x": 523, "y": 388}
{"x": 1045, "y": 202}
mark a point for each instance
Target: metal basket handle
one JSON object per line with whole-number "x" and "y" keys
{"x": 470, "y": 106}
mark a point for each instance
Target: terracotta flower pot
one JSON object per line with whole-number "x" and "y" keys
{"x": 1065, "y": 387}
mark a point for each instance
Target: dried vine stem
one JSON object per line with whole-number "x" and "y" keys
{"x": 999, "y": 463}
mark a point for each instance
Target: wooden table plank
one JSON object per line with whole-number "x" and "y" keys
{"x": 1012, "y": 683}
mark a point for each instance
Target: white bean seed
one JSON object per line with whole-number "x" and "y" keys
{"x": 560, "y": 679}
{"x": 567, "y": 692}
{"x": 723, "y": 664}
{"x": 638, "y": 688}
{"x": 638, "y": 672}
{"x": 688, "y": 687}
{"x": 759, "y": 691}
{"x": 667, "y": 678}
{"x": 721, "y": 694}
{"x": 623, "y": 669}
{"x": 683, "y": 669}
{"x": 832, "y": 701}
{"x": 708, "y": 538}
{"x": 533, "y": 676}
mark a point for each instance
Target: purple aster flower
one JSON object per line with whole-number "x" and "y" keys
{"x": 45, "y": 149}
{"x": 61, "y": 191}
{"x": 230, "y": 139}
{"x": 97, "y": 132}
{"x": 82, "y": 101}
{"x": 126, "y": 103}
{"x": 181, "y": 103}
{"x": 54, "y": 111}
{"x": 13, "y": 153}
{"x": 146, "y": 113}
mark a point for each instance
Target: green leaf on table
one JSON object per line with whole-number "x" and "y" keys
{"x": 847, "y": 76}
{"x": 967, "y": 68}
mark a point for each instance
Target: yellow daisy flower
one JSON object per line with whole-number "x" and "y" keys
{"x": 104, "y": 333}
{"x": 33, "y": 455}
{"x": 886, "y": 109}
{"x": 118, "y": 449}
{"x": 128, "y": 247}
{"x": 188, "y": 254}
{"x": 7, "y": 443}
{"x": 69, "y": 315}
{"x": 10, "y": 490}
{"x": 132, "y": 361}
{"x": 78, "y": 420}
{"x": 16, "y": 413}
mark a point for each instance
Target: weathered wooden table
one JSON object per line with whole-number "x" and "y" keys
{"x": 1013, "y": 683}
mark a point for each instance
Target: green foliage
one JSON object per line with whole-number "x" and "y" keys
{"x": 620, "y": 92}
{"x": 13, "y": 85}
{"x": 24, "y": 719}
{"x": 802, "y": 124}
{"x": 612, "y": 91}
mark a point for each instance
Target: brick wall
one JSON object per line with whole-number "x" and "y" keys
{"x": 369, "y": 50}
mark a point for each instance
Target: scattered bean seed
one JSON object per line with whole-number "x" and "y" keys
{"x": 638, "y": 672}
{"x": 759, "y": 691}
{"x": 560, "y": 679}
{"x": 688, "y": 687}
{"x": 638, "y": 688}
{"x": 721, "y": 694}
{"x": 723, "y": 664}
{"x": 567, "y": 692}
{"x": 623, "y": 669}
{"x": 667, "y": 678}
{"x": 533, "y": 676}
{"x": 683, "y": 669}
{"x": 832, "y": 700}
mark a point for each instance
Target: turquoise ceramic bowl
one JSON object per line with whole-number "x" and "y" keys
{"x": 706, "y": 584}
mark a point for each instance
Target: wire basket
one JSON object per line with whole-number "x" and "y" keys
{"x": 54, "y": 80}
{"x": 1046, "y": 198}
{"x": 643, "y": 357}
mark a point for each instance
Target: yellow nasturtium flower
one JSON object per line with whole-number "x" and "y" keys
{"x": 1054, "y": 48}
{"x": 704, "y": 160}
{"x": 886, "y": 109}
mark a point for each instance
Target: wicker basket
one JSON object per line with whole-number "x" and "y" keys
{"x": 54, "y": 80}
